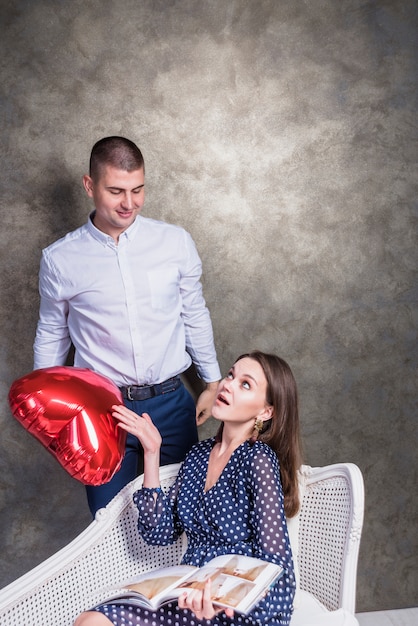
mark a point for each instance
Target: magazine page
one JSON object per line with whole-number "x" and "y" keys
{"x": 238, "y": 582}
{"x": 152, "y": 588}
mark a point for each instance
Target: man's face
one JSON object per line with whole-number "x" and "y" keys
{"x": 118, "y": 197}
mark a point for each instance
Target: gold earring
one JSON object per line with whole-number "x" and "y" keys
{"x": 258, "y": 426}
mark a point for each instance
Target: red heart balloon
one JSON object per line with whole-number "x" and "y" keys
{"x": 68, "y": 410}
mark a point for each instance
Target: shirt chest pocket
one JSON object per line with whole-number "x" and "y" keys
{"x": 164, "y": 288}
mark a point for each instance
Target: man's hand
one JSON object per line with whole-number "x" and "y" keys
{"x": 205, "y": 402}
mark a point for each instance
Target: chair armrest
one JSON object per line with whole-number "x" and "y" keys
{"x": 74, "y": 579}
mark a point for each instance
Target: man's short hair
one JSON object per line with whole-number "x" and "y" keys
{"x": 118, "y": 152}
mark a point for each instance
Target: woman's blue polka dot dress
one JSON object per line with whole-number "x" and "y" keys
{"x": 241, "y": 514}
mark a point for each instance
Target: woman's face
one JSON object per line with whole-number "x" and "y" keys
{"x": 241, "y": 394}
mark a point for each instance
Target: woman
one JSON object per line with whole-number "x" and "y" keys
{"x": 230, "y": 497}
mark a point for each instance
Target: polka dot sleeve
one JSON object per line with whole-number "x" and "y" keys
{"x": 263, "y": 481}
{"x": 157, "y": 524}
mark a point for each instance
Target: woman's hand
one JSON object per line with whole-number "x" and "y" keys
{"x": 200, "y": 602}
{"x": 139, "y": 425}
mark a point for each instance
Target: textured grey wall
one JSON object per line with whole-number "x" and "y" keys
{"x": 279, "y": 134}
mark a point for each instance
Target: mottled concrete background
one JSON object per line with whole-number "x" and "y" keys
{"x": 280, "y": 134}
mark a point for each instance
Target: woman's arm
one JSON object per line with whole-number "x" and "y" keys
{"x": 156, "y": 522}
{"x": 263, "y": 480}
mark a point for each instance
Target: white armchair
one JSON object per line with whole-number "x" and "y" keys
{"x": 110, "y": 550}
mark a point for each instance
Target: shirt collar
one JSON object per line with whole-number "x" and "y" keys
{"x": 129, "y": 233}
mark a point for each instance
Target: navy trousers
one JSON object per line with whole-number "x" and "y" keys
{"x": 174, "y": 414}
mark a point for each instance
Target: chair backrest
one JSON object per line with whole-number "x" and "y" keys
{"x": 110, "y": 551}
{"x": 331, "y": 521}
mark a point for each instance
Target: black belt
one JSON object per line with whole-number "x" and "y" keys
{"x": 143, "y": 392}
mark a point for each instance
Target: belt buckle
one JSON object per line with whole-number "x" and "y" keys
{"x": 128, "y": 393}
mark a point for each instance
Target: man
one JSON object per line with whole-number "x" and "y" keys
{"x": 125, "y": 291}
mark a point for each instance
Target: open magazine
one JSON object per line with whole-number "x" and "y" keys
{"x": 238, "y": 582}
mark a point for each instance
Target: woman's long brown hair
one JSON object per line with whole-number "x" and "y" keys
{"x": 282, "y": 431}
